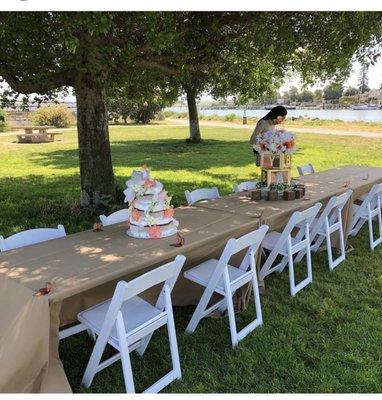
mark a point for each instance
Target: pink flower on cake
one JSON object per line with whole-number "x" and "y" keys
{"x": 169, "y": 212}
{"x": 135, "y": 215}
{"x": 155, "y": 232}
{"x": 149, "y": 183}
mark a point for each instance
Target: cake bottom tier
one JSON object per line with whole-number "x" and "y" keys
{"x": 141, "y": 232}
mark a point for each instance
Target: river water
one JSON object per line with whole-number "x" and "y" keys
{"x": 344, "y": 115}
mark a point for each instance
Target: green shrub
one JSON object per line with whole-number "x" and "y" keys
{"x": 230, "y": 117}
{"x": 168, "y": 114}
{"x": 3, "y": 123}
{"x": 160, "y": 116}
{"x": 59, "y": 116}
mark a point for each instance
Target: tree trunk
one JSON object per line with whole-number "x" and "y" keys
{"x": 195, "y": 136}
{"x": 96, "y": 169}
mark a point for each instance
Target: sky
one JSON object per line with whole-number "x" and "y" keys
{"x": 375, "y": 80}
{"x": 375, "y": 77}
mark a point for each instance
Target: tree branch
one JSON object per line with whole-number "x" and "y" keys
{"x": 54, "y": 80}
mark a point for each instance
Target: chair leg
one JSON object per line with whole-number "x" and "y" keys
{"x": 294, "y": 289}
{"x": 231, "y": 318}
{"x": 376, "y": 242}
{"x": 334, "y": 263}
{"x": 291, "y": 274}
{"x": 125, "y": 356}
{"x": 256, "y": 298}
{"x": 173, "y": 343}
{"x": 198, "y": 313}
{"x": 93, "y": 363}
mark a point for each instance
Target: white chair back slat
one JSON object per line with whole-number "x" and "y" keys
{"x": 243, "y": 186}
{"x": 201, "y": 194}
{"x": 299, "y": 220}
{"x": 30, "y": 237}
{"x": 305, "y": 169}
{"x": 115, "y": 218}
{"x": 166, "y": 273}
{"x": 251, "y": 239}
{"x": 331, "y": 213}
{"x": 370, "y": 200}
{"x": 369, "y": 210}
{"x": 329, "y": 221}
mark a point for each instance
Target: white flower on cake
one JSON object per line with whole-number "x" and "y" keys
{"x": 150, "y": 219}
{"x": 168, "y": 201}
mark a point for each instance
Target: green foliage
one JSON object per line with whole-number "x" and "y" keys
{"x": 350, "y": 91}
{"x": 3, "y": 124}
{"x": 141, "y": 100}
{"x": 333, "y": 91}
{"x": 230, "y": 117}
{"x": 59, "y": 116}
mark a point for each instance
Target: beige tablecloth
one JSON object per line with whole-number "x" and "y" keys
{"x": 84, "y": 268}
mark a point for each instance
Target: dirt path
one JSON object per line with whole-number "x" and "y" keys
{"x": 319, "y": 131}
{"x": 184, "y": 122}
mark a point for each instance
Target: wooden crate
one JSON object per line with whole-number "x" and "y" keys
{"x": 281, "y": 161}
{"x": 278, "y": 175}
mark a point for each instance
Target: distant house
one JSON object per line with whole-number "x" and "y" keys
{"x": 372, "y": 96}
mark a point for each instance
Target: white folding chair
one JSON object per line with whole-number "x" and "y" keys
{"x": 369, "y": 210}
{"x": 201, "y": 194}
{"x": 31, "y": 236}
{"x": 284, "y": 245}
{"x": 115, "y": 218}
{"x": 127, "y": 322}
{"x": 329, "y": 222}
{"x": 243, "y": 186}
{"x": 220, "y": 277}
{"x": 305, "y": 169}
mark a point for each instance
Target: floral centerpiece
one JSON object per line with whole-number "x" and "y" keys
{"x": 276, "y": 142}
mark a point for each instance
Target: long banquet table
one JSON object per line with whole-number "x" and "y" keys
{"x": 83, "y": 269}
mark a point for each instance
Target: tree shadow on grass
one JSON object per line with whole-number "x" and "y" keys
{"x": 44, "y": 201}
{"x": 169, "y": 154}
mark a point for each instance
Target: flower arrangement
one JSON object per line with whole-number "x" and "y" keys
{"x": 155, "y": 232}
{"x": 261, "y": 184}
{"x": 276, "y": 142}
{"x": 279, "y": 186}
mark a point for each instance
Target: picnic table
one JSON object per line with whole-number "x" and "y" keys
{"x": 37, "y": 134}
{"x": 83, "y": 269}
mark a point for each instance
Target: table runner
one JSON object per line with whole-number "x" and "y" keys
{"x": 85, "y": 266}
{"x": 320, "y": 186}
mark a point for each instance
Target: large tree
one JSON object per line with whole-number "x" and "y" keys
{"x": 42, "y": 52}
{"x": 249, "y": 53}
{"x": 220, "y": 52}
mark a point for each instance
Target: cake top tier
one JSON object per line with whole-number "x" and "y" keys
{"x": 141, "y": 184}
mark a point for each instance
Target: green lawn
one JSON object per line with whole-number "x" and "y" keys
{"x": 326, "y": 339}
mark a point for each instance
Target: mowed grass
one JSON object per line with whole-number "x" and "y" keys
{"x": 326, "y": 339}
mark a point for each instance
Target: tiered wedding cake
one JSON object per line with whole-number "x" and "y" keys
{"x": 151, "y": 215}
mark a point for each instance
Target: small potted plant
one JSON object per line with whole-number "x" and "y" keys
{"x": 262, "y": 185}
{"x": 273, "y": 194}
{"x": 256, "y": 193}
{"x": 289, "y": 194}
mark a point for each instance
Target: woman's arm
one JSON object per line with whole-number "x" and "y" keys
{"x": 259, "y": 129}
